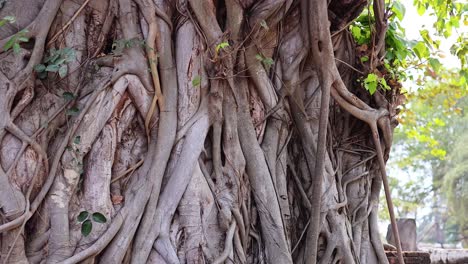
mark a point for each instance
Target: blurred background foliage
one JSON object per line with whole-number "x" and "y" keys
{"x": 429, "y": 161}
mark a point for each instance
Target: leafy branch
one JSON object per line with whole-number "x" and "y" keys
{"x": 56, "y": 62}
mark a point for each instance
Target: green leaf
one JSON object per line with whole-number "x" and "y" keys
{"x": 42, "y": 75}
{"x": 60, "y": 61}
{"x": 427, "y": 38}
{"x": 372, "y": 77}
{"x": 82, "y": 216}
{"x": 16, "y": 48}
{"x": 52, "y": 68}
{"x": 356, "y": 32}
{"x": 421, "y": 8}
{"x": 370, "y": 83}
{"x": 196, "y": 80}
{"x": 384, "y": 84}
{"x": 268, "y": 62}
{"x": 439, "y": 122}
{"x": 63, "y": 70}
{"x": 364, "y": 58}
{"x": 399, "y": 9}
{"x": 68, "y": 96}
{"x": 77, "y": 140}
{"x": 421, "y": 50}
{"x": 54, "y": 55}
{"x": 9, "y": 43}
{"x": 73, "y": 111}
{"x": 39, "y": 68}
{"x": 435, "y": 64}
{"x": 7, "y": 19}
{"x": 10, "y": 19}
{"x": 448, "y": 30}
{"x": 23, "y": 39}
{"x": 86, "y": 227}
{"x": 99, "y": 218}
{"x": 455, "y": 22}
{"x": 439, "y": 153}
{"x": 221, "y": 45}
{"x": 69, "y": 54}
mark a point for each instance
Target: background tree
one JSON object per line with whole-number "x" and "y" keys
{"x": 432, "y": 122}
{"x": 195, "y": 131}
{"x": 429, "y": 141}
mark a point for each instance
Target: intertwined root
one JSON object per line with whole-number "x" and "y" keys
{"x": 219, "y": 138}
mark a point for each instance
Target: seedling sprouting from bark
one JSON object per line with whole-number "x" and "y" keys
{"x": 87, "y": 220}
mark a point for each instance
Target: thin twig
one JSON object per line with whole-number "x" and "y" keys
{"x": 349, "y": 65}
{"x": 67, "y": 24}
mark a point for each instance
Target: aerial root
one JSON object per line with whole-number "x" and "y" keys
{"x": 227, "y": 244}
{"x": 175, "y": 187}
{"x": 239, "y": 248}
{"x": 372, "y": 117}
{"x": 26, "y": 98}
{"x": 148, "y": 8}
{"x": 53, "y": 169}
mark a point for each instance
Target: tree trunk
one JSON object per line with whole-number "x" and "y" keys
{"x": 199, "y": 131}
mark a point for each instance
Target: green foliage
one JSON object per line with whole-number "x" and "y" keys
{"x": 86, "y": 227}
{"x": 82, "y": 216}
{"x": 66, "y": 95}
{"x": 431, "y": 119}
{"x": 87, "y": 221}
{"x": 361, "y": 29}
{"x": 267, "y": 62}
{"x": 73, "y": 111}
{"x": 431, "y": 135}
{"x": 15, "y": 41}
{"x": 460, "y": 49}
{"x": 196, "y": 81}
{"x": 399, "y": 53}
{"x": 398, "y": 9}
{"x": 422, "y": 55}
{"x": 421, "y": 50}
{"x": 7, "y": 19}
{"x": 99, "y": 218}
{"x": 56, "y": 62}
{"x": 455, "y": 184}
{"x": 372, "y": 81}
{"x": 407, "y": 196}
{"x": 221, "y": 46}
{"x": 118, "y": 46}
{"x": 448, "y": 15}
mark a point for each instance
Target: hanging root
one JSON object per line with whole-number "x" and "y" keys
{"x": 227, "y": 244}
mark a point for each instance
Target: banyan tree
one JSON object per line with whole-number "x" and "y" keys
{"x": 192, "y": 131}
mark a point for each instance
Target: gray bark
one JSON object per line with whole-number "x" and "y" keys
{"x": 203, "y": 131}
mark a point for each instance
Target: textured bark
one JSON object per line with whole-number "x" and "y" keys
{"x": 193, "y": 145}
